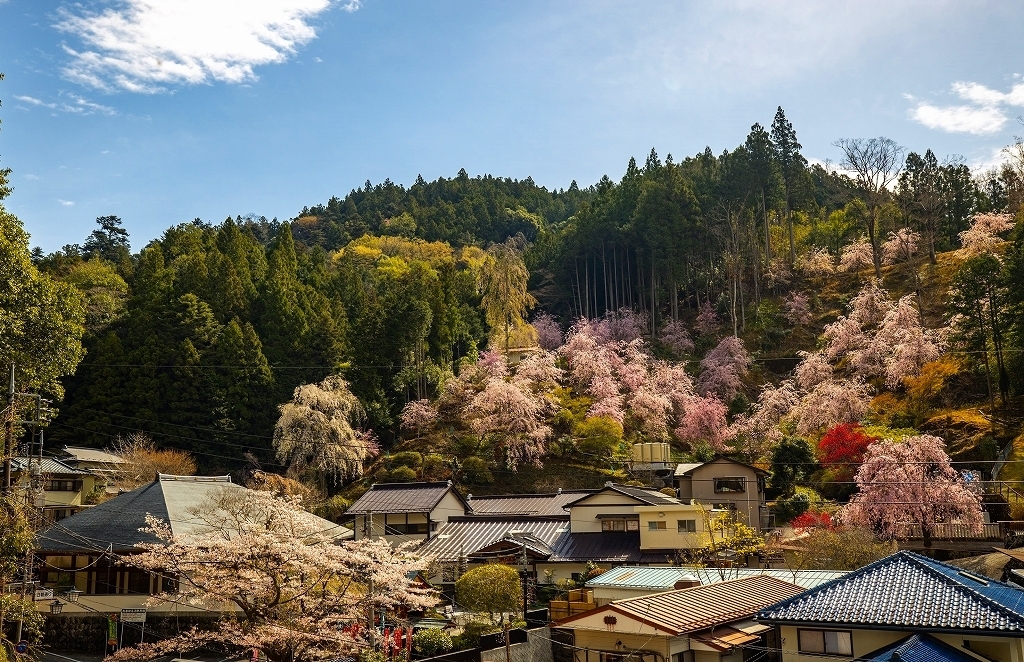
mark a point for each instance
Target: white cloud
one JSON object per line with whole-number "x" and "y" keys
{"x": 31, "y": 177}
{"x": 146, "y": 45}
{"x": 78, "y": 105}
{"x": 978, "y": 120}
{"x": 985, "y": 113}
{"x": 66, "y": 203}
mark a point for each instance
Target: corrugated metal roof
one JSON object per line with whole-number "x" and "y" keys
{"x": 691, "y": 609}
{"x": 664, "y": 578}
{"x": 525, "y": 504}
{"x": 384, "y": 498}
{"x": 465, "y": 535}
{"x": 49, "y": 466}
{"x": 918, "y": 648}
{"x": 604, "y": 547}
{"x": 908, "y": 590}
{"x": 686, "y": 467}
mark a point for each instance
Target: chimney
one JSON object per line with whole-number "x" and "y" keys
{"x": 685, "y": 583}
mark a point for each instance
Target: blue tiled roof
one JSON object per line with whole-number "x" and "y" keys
{"x": 907, "y": 590}
{"x": 918, "y": 648}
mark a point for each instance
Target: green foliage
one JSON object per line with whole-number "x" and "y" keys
{"x": 490, "y": 589}
{"x": 476, "y": 471}
{"x": 598, "y": 437}
{"x": 432, "y": 641}
{"x": 791, "y": 506}
{"x": 792, "y": 461}
{"x": 409, "y": 459}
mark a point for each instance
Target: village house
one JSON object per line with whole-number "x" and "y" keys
{"x": 82, "y": 558}
{"x": 726, "y": 484}
{"x": 58, "y": 489}
{"x": 403, "y": 512}
{"x": 95, "y": 461}
{"x": 630, "y": 581}
{"x": 903, "y": 607}
{"x": 709, "y": 623}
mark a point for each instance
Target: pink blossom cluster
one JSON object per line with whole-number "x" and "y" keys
{"x": 549, "y": 332}
{"x": 900, "y": 246}
{"x": 856, "y": 255}
{"x": 797, "y": 307}
{"x": 815, "y": 263}
{"x": 983, "y": 235}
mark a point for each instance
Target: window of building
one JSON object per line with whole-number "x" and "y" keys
{"x": 686, "y": 526}
{"x": 407, "y": 529}
{"x": 62, "y": 486}
{"x": 826, "y": 642}
{"x": 138, "y": 582}
{"x": 657, "y": 526}
{"x": 620, "y": 525}
{"x": 729, "y": 484}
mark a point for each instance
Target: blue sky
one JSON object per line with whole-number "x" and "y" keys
{"x": 161, "y": 112}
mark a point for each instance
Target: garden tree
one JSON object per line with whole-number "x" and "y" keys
{"x": 876, "y": 163}
{"x": 900, "y": 246}
{"x": 432, "y": 641}
{"x": 983, "y": 235}
{"x": 503, "y": 279}
{"x": 792, "y": 462}
{"x": 723, "y": 539}
{"x": 492, "y": 589}
{"x": 142, "y": 461}
{"x": 837, "y": 548}
{"x": 316, "y": 432}
{"x": 598, "y": 437}
{"x": 723, "y": 369}
{"x": 549, "y": 332}
{"x": 5, "y": 173}
{"x": 792, "y": 168}
{"x": 857, "y": 255}
{"x": 978, "y": 302}
{"x": 109, "y": 241}
{"x": 41, "y": 319}
{"x": 16, "y": 540}
{"x": 298, "y": 592}
{"x": 911, "y": 481}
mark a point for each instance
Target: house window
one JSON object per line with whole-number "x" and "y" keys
{"x": 407, "y": 529}
{"x": 620, "y": 525}
{"x": 656, "y": 526}
{"x": 729, "y": 484}
{"x": 686, "y": 526}
{"x": 62, "y": 486}
{"x": 826, "y": 642}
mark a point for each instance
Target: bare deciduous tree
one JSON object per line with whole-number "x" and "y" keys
{"x": 142, "y": 461}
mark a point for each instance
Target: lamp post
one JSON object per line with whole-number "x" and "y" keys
{"x": 72, "y": 595}
{"x": 56, "y": 607}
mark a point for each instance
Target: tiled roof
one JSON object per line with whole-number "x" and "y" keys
{"x": 907, "y": 590}
{"x": 687, "y": 468}
{"x": 465, "y": 535}
{"x": 115, "y": 524}
{"x": 700, "y": 607}
{"x": 49, "y": 466}
{"x": 384, "y": 498}
{"x": 92, "y": 455}
{"x": 664, "y": 578}
{"x": 525, "y": 504}
{"x": 918, "y": 648}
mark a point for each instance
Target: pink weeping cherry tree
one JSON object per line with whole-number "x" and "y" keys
{"x": 911, "y": 482}
{"x": 723, "y": 369}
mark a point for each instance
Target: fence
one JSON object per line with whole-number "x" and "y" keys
{"x": 958, "y": 531}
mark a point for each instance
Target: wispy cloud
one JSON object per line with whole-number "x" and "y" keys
{"x": 69, "y": 103}
{"x": 66, "y": 203}
{"x": 984, "y": 113}
{"x": 31, "y": 177}
{"x": 147, "y": 45}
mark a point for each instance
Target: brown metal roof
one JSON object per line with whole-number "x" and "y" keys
{"x": 701, "y": 607}
{"x": 384, "y": 498}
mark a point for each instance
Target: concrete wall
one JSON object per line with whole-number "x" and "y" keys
{"x": 536, "y": 649}
{"x": 669, "y": 537}
{"x": 702, "y": 488}
{"x": 583, "y": 518}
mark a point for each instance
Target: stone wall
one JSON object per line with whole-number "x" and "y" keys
{"x": 536, "y": 649}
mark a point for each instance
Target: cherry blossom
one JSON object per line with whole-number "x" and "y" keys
{"x": 983, "y": 235}
{"x": 549, "y": 332}
{"x": 900, "y": 246}
{"x": 857, "y": 255}
{"x": 815, "y": 263}
{"x": 797, "y": 308}
{"x": 704, "y": 419}
{"x": 707, "y": 322}
{"x": 723, "y": 368}
{"x": 911, "y": 482}
{"x": 675, "y": 337}
{"x": 830, "y": 403}
{"x": 418, "y": 414}
{"x": 513, "y": 418}
{"x": 812, "y": 370}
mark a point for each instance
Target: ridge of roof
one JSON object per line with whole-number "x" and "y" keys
{"x": 696, "y": 465}
{"x": 986, "y": 593}
{"x": 639, "y": 493}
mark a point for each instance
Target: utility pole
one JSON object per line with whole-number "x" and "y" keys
{"x": 9, "y": 435}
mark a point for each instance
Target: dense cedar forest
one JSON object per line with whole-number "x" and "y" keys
{"x": 198, "y": 337}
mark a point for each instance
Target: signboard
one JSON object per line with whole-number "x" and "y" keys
{"x": 43, "y": 594}
{"x": 22, "y": 647}
{"x": 133, "y": 615}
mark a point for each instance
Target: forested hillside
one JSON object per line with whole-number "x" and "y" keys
{"x": 702, "y": 283}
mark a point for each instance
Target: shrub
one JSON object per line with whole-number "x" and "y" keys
{"x": 402, "y": 475}
{"x": 788, "y": 508}
{"x": 432, "y": 641}
{"x": 435, "y": 467}
{"x": 476, "y": 471}
{"x": 410, "y": 459}
{"x": 490, "y": 589}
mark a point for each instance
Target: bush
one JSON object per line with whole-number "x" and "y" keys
{"x": 432, "y": 641}
{"x": 598, "y": 437}
{"x": 472, "y": 631}
{"x": 402, "y": 475}
{"x": 435, "y": 467}
{"x": 410, "y": 459}
{"x": 786, "y": 509}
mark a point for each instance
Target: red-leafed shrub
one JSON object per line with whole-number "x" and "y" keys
{"x": 843, "y": 448}
{"x": 813, "y": 520}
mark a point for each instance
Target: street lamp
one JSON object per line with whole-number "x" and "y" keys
{"x": 72, "y": 595}
{"x": 56, "y": 606}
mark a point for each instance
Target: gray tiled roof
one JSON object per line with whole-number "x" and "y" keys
{"x": 643, "y": 495}
{"x": 384, "y": 498}
{"x": 918, "y": 648}
{"x": 49, "y": 466}
{"x": 664, "y": 578}
{"x": 908, "y": 591}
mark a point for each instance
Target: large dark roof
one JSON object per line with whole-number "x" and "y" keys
{"x": 525, "y": 504}
{"x": 908, "y": 591}
{"x": 641, "y": 494}
{"x": 384, "y": 498}
{"x": 603, "y": 547}
{"x": 918, "y": 648}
